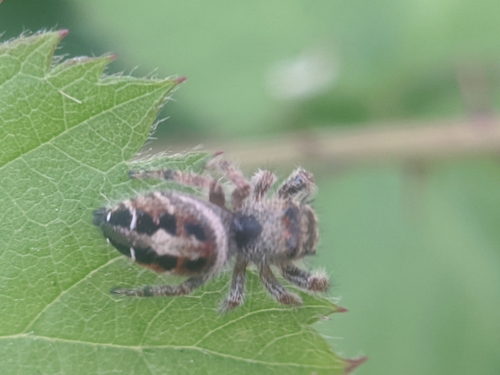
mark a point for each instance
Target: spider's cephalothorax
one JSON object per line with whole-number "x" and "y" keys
{"x": 182, "y": 234}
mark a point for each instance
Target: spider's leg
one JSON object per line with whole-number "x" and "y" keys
{"x": 243, "y": 188}
{"x": 314, "y": 282}
{"x": 215, "y": 195}
{"x": 299, "y": 186}
{"x": 275, "y": 288}
{"x": 163, "y": 290}
{"x": 261, "y": 183}
{"x": 237, "y": 292}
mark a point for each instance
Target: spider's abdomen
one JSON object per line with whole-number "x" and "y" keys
{"x": 168, "y": 232}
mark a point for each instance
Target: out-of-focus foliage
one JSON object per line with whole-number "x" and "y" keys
{"x": 416, "y": 261}
{"x": 269, "y": 65}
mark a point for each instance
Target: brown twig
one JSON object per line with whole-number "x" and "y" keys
{"x": 370, "y": 144}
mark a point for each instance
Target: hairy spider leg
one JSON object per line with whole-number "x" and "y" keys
{"x": 304, "y": 279}
{"x": 215, "y": 191}
{"x": 261, "y": 182}
{"x": 237, "y": 291}
{"x": 163, "y": 290}
{"x": 242, "y": 190}
{"x": 277, "y": 290}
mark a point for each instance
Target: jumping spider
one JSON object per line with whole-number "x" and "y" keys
{"x": 170, "y": 231}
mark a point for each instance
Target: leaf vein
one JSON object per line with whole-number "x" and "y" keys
{"x": 83, "y": 123}
{"x": 63, "y": 292}
{"x": 139, "y": 349}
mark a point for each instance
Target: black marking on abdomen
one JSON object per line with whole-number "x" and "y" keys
{"x": 193, "y": 229}
{"x": 124, "y": 249}
{"x": 246, "y": 229}
{"x": 167, "y": 262}
{"x": 121, "y": 217}
{"x": 149, "y": 256}
{"x": 145, "y": 223}
{"x": 195, "y": 265}
{"x": 168, "y": 223}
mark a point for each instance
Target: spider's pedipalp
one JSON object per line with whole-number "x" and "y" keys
{"x": 261, "y": 182}
{"x": 299, "y": 186}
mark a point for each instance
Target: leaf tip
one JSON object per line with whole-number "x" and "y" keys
{"x": 180, "y": 80}
{"x": 112, "y": 57}
{"x": 353, "y": 363}
{"x": 341, "y": 309}
{"x": 62, "y": 33}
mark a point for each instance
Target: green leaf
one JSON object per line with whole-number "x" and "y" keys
{"x": 66, "y": 136}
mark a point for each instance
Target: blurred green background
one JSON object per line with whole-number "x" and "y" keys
{"x": 414, "y": 253}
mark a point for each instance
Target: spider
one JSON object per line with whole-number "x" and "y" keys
{"x": 182, "y": 234}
